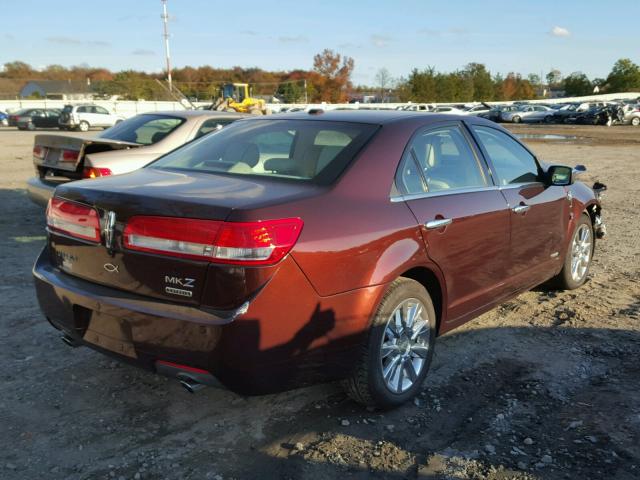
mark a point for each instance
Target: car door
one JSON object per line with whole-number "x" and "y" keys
{"x": 102, "y": 117}
{"x": 539, "y": 213}
{"x": 464, "y": 218}
{"x": 84, "y": 113}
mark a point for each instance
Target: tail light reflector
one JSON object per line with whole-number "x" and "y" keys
{"x": 94, "y": 172}
{"x": 39, "y": 152}
{"x": 73, "y": 219}
{"x": 241, "y": 243}
{"x": 69, "y": 156}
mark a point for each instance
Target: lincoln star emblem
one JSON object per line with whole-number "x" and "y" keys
{"x": 111, "y": 268}
{"x": 108, "y": 231}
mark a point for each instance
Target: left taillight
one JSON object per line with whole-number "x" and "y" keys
{"x": 240, "y": 243}
{"x": 39, "y": 152}
{"x": 73, "y": 219}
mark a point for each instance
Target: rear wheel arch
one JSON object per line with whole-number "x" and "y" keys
{"x": 430, "y": 281}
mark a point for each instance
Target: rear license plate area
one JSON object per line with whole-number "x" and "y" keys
{"x": 107, "y": 332}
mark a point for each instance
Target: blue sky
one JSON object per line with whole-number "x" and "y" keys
{"x": 526, "y": 36}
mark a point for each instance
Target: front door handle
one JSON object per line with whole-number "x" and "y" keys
{"x": 434, "y": 224}
{"x": 520, "y": 209}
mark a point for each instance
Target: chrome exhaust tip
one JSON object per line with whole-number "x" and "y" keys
{"x": 70, "y": 341}
{"x": 191, "y": 385}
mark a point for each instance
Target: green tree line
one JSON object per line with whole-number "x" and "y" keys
{"x": 330, "y": 80}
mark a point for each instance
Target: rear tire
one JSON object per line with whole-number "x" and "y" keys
{"x": 635, "y": 121}
{"x": 83, "y": 126}
{"x": 397, "y": 352}
{"x": 578, "y": 257}
{"x": 516, "y": 119}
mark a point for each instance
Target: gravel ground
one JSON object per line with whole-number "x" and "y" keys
{"x": 544, "y": 387}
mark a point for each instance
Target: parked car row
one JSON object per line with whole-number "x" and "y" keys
{"x": 72, "y": 117}
{"x": 586, "y": 113}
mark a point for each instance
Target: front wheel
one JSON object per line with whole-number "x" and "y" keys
{"x": 396, "y": 355}
{"x": 579, "y": 255}
{"x": 516, "y": 119}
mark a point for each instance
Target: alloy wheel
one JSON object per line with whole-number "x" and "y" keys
{"x": 405, "y": 344}
{"x": 581, "y": 252}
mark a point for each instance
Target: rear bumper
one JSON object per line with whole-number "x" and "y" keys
{"x": 40, "y": 191}
{"x": 278, "y": 340}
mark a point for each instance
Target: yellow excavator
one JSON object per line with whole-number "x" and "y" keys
{"x": 236, "y": 97}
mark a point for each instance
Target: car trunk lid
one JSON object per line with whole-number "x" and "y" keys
{"x": 64, "y": 154}
{"x": 153, "y": 193}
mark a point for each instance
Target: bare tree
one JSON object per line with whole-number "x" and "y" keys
{"x": 383, "y": 80}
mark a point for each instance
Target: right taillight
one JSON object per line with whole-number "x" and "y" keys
{"x": 73, "y": 219}
{"x": 241, "y": 243}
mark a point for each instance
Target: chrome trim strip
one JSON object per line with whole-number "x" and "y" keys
{"x": 456, "y": 191}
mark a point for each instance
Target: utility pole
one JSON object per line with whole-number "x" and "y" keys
{"x": 165, "y": 22}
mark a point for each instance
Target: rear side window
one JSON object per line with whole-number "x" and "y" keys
{"x": 511, "y": 161}
{"x": 307, "y": 150}
{"x": 211, "y": 125}
{"x": 144, "y": 129}
{"x": 437, "y": 160}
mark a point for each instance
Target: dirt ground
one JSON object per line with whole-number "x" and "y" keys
{"x": 546, "y": 386}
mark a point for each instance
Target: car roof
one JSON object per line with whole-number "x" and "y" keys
{"x": 378, "y": 117}
{"x": 196, "y": 113}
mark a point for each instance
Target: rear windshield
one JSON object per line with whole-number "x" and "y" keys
{"x": 316, "y": 151}
{"x": 143, "y": 129}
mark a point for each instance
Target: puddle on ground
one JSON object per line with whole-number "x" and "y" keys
{"x": 545, "y": 136}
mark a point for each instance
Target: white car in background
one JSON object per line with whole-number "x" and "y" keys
{"x": 529, "y": 114}
{"x": 85, "y": 116}
{"x": 132, "y": 144}
{"x": 452, "y": 110}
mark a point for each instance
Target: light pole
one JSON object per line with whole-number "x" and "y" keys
{"x": 165, "y": 22}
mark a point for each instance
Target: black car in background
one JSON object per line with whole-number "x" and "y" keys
{"x": 39, "y": 118}
{"x": 13, "y": 117}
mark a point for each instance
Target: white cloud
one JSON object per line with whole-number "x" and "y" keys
{"x": 293, "y": 39}
{"x": 380, "y": 40}
{"x": 560, "y": 32}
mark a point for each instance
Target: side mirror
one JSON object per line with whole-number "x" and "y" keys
{"x": 560, "y": 175}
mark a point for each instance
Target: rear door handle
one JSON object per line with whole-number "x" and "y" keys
{"x": 434, "y": 224}
{"x": 520, "y": 209}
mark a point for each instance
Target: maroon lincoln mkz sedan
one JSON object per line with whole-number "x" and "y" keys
{"x": 308, "y": 247}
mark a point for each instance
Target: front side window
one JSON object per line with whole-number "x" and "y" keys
{"x": 145, "y": 129}
{"x": 443, "y": 160}
{"x": 512, "y": 162}
{"x": 315, "y": 150}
